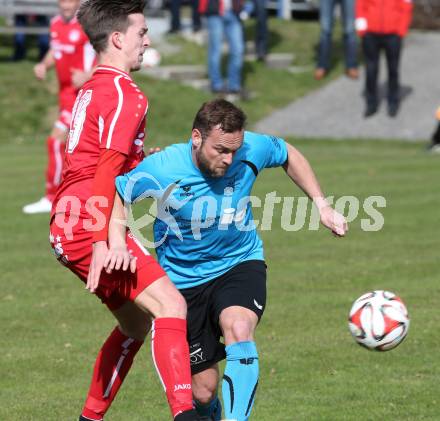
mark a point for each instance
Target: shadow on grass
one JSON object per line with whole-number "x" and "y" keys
{"x": 382, "y": 92}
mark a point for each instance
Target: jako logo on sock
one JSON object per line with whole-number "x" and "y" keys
{"x": 182, "y": 387}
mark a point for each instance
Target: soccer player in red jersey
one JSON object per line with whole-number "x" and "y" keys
{"x": 105, "y": 140}
{"x": 73, "y": 57}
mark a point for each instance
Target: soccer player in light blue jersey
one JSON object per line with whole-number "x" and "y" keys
{"x": 207, "y": 242}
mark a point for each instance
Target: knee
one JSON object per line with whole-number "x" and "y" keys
{"x": 204, "y": 394}
{"x": 326, "y": 26}
{"x": 348, "y": 26}
{"x": 237, "y": 51}
{"x": 173, "y": 306}
{"x": 214, "y": 49}
{"x": 238, "y": 330}
{"x": 326, "y": 32}
{"x": 349, "y": 31}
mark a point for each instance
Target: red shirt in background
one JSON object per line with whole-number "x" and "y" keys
{"x": 109, "y": 113}
{"x": 72, "y": 50}
{"x": 383, "y": 17}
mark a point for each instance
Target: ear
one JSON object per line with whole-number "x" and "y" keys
{"x": 116, "y": 39}
{"x": 196, "y": 137}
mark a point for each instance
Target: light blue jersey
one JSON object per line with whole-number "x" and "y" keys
{"x": 204, "y": 225}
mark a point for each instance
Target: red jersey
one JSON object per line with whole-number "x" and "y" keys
{"x": 383, "y": 16}
{"x": 109, "y": 113}
{"x": 71, "y": 50}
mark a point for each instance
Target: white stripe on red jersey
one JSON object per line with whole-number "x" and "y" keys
{"x": 118, "y": 110}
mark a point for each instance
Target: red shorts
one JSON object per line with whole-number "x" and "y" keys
{"x": 116, "y": 288}
{"x": 66, "y": 101}
{"x": 64, "y": 119}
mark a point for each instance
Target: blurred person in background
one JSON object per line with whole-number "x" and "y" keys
{"x": 382, "y": 26}
{"x": 223, "y": 21}
{"x": 20, "y": 38}
{"x": 326, "y": 20}
{"x": 73, "y": 57}
{"x": 261, "y": 31}
{"x": 175, "y": 16}
{"x": 257, "y": 8}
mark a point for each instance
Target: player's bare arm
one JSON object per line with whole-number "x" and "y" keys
{"x": 108, "y": 167}
{"x": 41, "y": 68}
{"x": 299, "y": 170}
{"x": 79, "y": 77}
{"x": 119, "y": 256}
{"x": 99, "y": 254}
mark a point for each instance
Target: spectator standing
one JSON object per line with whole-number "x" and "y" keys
{"x": 20, "y": 38}
{"x": 382, "y": 25}
{"x": 261, "y": 33}
{"x": 223, "y": 20}
{"x": 258, "y": 9}
{"x": 326, "y": 13}
{"x": 175, "y": 16}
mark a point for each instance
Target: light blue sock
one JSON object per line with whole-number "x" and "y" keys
{"x": 240, "y": 380}
{"x": 212, "y": 409}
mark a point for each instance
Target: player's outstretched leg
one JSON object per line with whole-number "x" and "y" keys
{"x": 115, "y": 359}
{"x": 240, "y": 380}
{"x": 112, "y": 365}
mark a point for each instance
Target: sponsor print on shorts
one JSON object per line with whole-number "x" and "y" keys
{"x": 196, "y": 354}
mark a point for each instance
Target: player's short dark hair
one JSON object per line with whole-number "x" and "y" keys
{"x": 99, "y": 18}
{"x": 219, "y": 112}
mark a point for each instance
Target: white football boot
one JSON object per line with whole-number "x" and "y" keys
{"x": 44, "y": 205}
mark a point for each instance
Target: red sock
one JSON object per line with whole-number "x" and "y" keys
{"x": 111, "y": 366}
{"x": 171, "y": 357}
{"x": 54, "y": 170}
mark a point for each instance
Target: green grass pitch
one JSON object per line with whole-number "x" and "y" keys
{"x": 311, "y": 369}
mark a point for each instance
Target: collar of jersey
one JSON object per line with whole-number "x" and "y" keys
{"x": 106, "y": 68}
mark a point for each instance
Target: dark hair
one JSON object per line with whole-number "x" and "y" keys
{"x": 219, "y": 112}
{"x": 99, "y": 18}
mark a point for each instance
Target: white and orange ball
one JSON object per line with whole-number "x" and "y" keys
{"x": 378, "y": 320}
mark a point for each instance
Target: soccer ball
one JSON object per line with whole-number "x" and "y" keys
{"x": 152, "y": 57}
{"x": 378, "y": 320}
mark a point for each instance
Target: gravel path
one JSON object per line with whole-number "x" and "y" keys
{"x": 336, "y": 110}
